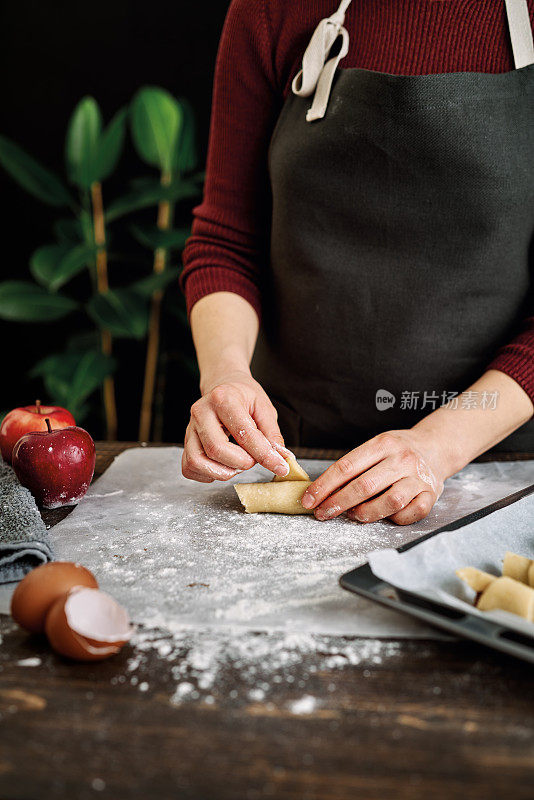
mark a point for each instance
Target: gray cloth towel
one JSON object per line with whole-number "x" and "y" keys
{"x": 23, "y": 536}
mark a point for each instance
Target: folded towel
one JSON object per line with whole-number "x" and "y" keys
{"x": 23, "y": 536}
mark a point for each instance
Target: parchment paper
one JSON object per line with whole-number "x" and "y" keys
{"x": 182, "y": 554}
{"x": 428, "y": 570}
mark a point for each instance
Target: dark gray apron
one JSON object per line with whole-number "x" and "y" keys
{"x": 402, "y": 232}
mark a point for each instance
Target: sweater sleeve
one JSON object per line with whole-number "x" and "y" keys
{"x": 516, "y": 358}
{"x": 229, "y": 240}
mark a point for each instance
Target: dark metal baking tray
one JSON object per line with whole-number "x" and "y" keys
{"x": 361, "y": 581}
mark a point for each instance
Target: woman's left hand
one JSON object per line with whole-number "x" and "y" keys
{"x": 395, "y": 475}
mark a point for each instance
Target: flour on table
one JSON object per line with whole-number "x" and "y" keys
{"x": 183, "y": 555}
{"x": 205, "y": 663}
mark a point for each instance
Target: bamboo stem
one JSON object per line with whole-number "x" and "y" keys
{"x": 102, "y": 285}
{"x": 151, "y": 362}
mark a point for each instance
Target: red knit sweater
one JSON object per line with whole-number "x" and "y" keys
{"x": 260, "y": 51}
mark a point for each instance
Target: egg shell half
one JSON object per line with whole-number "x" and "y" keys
{"x": 41, "y": 587}
{"x": 87, "y": 625}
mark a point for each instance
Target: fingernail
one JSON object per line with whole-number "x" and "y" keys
{"x": 327, "y": 513}
{"x": 224, "y": 474}
{"x": 307, "y": 500}
{"x": 283, "y": 449}
{"x": 281, "y": 469}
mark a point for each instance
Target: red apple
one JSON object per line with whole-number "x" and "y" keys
{"x": 27, "y": 419}
{"x": 55, "y": 465}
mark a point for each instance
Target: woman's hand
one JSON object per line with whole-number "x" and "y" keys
{"x": 236, "y": 406}
{"x": 394, "y": 475}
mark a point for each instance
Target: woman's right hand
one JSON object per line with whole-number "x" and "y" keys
{"x": 235, "y": 406}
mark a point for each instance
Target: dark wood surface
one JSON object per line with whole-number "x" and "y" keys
{"x": 436, "y": 719}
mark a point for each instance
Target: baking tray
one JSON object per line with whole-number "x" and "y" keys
{"x": 363, "y": 582}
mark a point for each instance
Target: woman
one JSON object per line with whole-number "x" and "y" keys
{"x": 376, "y": 206}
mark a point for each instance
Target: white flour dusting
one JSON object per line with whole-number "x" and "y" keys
{"x": 216, "y": 592}
{"x": 306, "y": 705}
{"x": 203, "y": 664}
{"x": 29, "y": 662}
{"x": 179, "y": 554}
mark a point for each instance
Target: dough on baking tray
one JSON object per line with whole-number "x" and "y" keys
{"x": 475, "y": 578}
{"x": 282, "y": 495}
{"x": 501, "y": 592}
{"x": 519, "y": 567}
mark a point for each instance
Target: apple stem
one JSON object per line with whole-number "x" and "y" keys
{"x": 38, "y": 406}
{"x": 48, "y": 425}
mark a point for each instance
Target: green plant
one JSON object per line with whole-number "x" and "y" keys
{"x": 163, "y": 132}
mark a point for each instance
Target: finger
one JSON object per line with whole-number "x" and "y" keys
{"x": 246, "y": 433}
{"x": 215, "y": 442}
{"x": 197, "y": 477}
{"x": 345, "y": 469}
{"x": 371, "y": 483}
{"x": 393, "y": 500}
{"x": 196, "y": 463}
{"x": 416, "y": 510}
{"x": 266, "y": 418}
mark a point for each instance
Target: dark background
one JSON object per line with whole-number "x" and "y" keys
{"x": 51, "y": 55}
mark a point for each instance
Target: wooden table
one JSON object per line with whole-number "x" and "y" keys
{"x": 440, "y": 719}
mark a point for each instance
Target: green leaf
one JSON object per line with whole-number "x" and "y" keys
{"x": 22, "y": 301}
{"x": 156, "y": 122}
{"x": 54, "y": 265}
{"x": 122, "y": 312}
{"x": 58, "y": 390}
{"x": 61, "y": 365}
{"x": 83, "y": 137}
{"x": 45, "y": 260}
{"x": 151, "y": 236}
{"x": 72, "y": 377}
{"x": 110, "y": 146}
{"x": 32, "y": 176}
{"x": 187, "y": 152}
{"x": 71, "y": 264}
{"x": 155, "y": 282}
{"x": 150, "y": 194}
{"x": 92, "y": 368}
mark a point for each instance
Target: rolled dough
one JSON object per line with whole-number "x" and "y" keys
{"x": 509, "y": 595}
{"x": 501, "y": 592}
{"x": 519, "y": 567}
{"x": 273, "y": 498}
{"x": 475, "y": 578}
{"x": 282, "y": 495}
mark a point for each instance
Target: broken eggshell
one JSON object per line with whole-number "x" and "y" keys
{"x": 41, "y": 587}
{"x": 87, "y": 625}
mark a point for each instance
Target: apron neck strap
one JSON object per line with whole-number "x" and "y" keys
{"x": 318, "y": 70}
{"x": 317, "y": 73}
{"x": 520, "y": 32}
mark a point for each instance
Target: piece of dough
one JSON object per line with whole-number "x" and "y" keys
{"x": 273, "y": 498}
{"x": 475, "y": 578}
{"x": 296, "y": 472}
{"x": 508, "y": 595}
{"x": 499, "y": 592}
{"x": 519, "y": 567}
{"x": 282, "y": 495}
